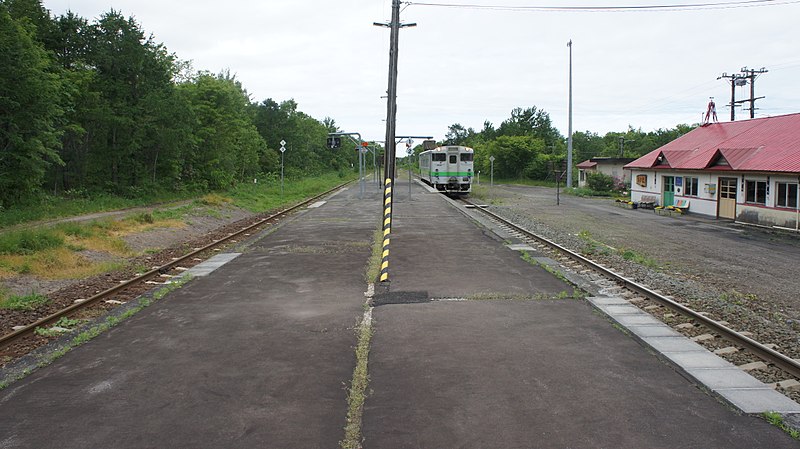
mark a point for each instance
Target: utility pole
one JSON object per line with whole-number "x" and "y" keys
{"x": 391, "y": 146}
{"x": 736, "y": 80}
{"x": 569, "y": 138}
{"x": 751, "y": 75}
{"x": 741, "y": 79}
{"x": 391, "y": 100}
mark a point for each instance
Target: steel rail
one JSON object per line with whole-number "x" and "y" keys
{"x": 770, "y": 355}
{"x": 7, "y": 339}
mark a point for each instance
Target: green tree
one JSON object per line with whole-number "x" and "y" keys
{"x": 512, "y": 154}
{"x": 129, "y": 69}
{"x": 530, "y": 122}
{"x": 29, "y": 109}
{"x": 228, "y": 146}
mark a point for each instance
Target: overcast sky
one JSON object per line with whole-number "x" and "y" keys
{"x": 648, "y": 70}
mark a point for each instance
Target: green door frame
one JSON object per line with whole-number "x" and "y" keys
{"x": 669, "y": 191}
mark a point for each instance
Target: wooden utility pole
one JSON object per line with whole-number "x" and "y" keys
{"x": 391, "y": 117}
{"x": 741, "y": 79}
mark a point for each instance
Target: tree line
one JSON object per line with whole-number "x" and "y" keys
{"x": 101, "y": 106}
{"x": 527, "y": 145}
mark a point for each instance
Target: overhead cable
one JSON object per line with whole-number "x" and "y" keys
{"x": 631, "y": 8}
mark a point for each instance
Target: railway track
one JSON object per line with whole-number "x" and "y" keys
{"x": 762, "y": 351}
{"x": 79, "y": 305}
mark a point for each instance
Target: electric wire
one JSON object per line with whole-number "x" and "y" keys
{"x": 631, "y": 8}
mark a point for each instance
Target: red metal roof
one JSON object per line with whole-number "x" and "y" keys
{"x": 587, "y": 164}
{"x": 765, "y": 144}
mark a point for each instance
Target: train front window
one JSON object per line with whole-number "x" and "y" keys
{"x": 453, "y": 159}
{"x": 466, "y": 157}
{"x": 439, "y": 157}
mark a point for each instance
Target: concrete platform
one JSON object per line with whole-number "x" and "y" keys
{"x": 516, "y": 373}
{"x": 745, "y": 392}
{"x": 257, "y": 353}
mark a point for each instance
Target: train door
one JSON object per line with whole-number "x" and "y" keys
{"x": 669, "y": 191}
{"x": 453, "y": 163}
{"x": 726, "y": 202}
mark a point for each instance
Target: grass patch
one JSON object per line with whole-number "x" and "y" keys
{"x": 266, "y": 195}
{"x": 81, "y": 203}
{"x": 214, "y": 199}
{"x": 26, "y": 302}
{"x": 485, "y": 180}
{"x": 484, "y": 193}
{"x": 584, "y": 192}
{"x": 592, "y": 246}
{"x": 641, "y": 259}
{"x": 356, "y": 395}
{"x": 374, "y": 264}
{"x": 59, "y": 263}
{"x": 57, "y": 328}
{"x": 29, "y": 241}
{"x": 777, "y": 420}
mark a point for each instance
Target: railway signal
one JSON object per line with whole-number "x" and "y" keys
{"x": 334, "y": 142}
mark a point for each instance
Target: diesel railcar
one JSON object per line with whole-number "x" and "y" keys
{"x": 448, "y": 168}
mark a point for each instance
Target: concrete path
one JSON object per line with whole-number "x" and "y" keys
{"x": 256, "y": 354}
{"x": 540, "y": 373}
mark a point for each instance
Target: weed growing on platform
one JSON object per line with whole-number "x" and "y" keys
{"x": 576, "y": 292}
{"x": 356, "y": 395}
{"x": 374, "y": 264}
{"x": 777, "y": 420}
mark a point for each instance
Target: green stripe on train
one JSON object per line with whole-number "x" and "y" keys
{"x": 450, "y": 173}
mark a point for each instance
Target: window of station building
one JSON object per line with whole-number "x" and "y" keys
{"x": 438, "y": 157}
{"x": 690, "y": 186}
{"x": 756, "y": 192}
{"x": 453, "y": 158}
{"x": 466, "y": 157}
{"x": 787, "y": 195}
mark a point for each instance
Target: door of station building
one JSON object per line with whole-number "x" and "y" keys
{"x": 727, "y": 198}
{"x": 669, "y": 191}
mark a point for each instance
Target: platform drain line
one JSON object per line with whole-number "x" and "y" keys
{"x": 387, "y": 229}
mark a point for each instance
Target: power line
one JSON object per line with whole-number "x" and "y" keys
{"x": 634, "y": 8}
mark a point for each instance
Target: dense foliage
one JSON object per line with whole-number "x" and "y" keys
{"x": 100, "y": 106}
{"x": 599, "y": 182}
{"x": 527, "y": 145}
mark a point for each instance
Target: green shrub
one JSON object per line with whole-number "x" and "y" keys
{"x": 599, "y": 182}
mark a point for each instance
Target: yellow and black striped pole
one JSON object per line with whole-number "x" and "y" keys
{"x": 387, "y": 228}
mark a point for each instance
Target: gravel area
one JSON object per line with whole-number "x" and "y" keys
{"x": 743, "y": 275}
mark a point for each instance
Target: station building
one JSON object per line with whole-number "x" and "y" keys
{"x": 748, "y": 171}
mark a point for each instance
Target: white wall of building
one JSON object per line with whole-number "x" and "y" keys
{"x": 705, "y": 202}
